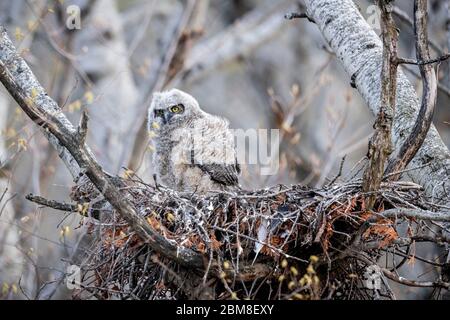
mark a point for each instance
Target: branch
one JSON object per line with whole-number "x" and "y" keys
{"x": 399, "y": 279}
{"x": 415, "y": 214}
{"x": 359, "y": 50}
{"x": 425, "y": 117}
{"x": 296, "y": 15}
{"x": 20, "y": 82}
{"x": 68, "y": 207}
{"x": 380, "y": 145}
{"x": 423, "y": 62}
{"x": 413, "y": 283}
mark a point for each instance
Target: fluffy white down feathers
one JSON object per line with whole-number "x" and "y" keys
{"x": 193, "y": 150}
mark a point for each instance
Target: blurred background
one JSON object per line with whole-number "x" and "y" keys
{"x": 240, "y": 58}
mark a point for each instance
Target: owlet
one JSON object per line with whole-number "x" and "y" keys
{"x": 193, "y": 150}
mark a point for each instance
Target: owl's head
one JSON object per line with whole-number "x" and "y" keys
{"x": 172, "y": 107}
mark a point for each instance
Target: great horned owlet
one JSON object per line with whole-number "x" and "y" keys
{"x": 193, "y": 150}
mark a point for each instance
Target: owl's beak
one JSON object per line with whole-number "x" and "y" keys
{"x": 165, "y": 117}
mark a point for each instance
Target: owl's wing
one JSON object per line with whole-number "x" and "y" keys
{"x": 217, "y": 149}
{"x": 221, "y": 173}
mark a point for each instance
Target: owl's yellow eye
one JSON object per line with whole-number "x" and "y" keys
{"x": 176, "y": 109}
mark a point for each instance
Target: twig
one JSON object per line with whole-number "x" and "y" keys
{"x": 62, "y": 206}
{"x": 413, "y": 283}
{"x": 415, "y": 214}
{"x": 296, "y": 15}
{"x": 341, "y": 165}
{"x": 423, "y": 62}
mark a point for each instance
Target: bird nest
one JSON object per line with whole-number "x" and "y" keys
{"x": 283, "y": 242}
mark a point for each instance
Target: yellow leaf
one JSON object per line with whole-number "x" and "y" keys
{"x": 19, "y": 34}
{"x": 5, "y": 288}
{"x": 22, "y": 144}
{"x": 291, "y": 285}
{"x": 74, "y": 106}
{"x": 14, "y": 289}
{"x": 89, "y": 97}
{"x": 31, "y": 25}
{"x": 171, "y": 218}
{"x": 310, "y": 270}
{"x": 294, "y": 271}
{"x": 128, "y": 174}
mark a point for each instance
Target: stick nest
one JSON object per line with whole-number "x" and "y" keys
{"x": 276, "y": 243}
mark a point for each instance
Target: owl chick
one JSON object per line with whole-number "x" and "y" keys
{"x": 193, "y": 150}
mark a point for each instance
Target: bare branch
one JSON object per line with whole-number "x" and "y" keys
{"x": 423, "y": 62}
{"x": 380, "y": 145}
{"x": 62, "y": 206}
{"x": 413, "y": 283}
{"x": 415, "y": 214}
{"x": 295, "y": 15}
{"x": 425, "y": 117}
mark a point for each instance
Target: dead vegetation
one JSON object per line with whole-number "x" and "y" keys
{"x": 284, "y": 242}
